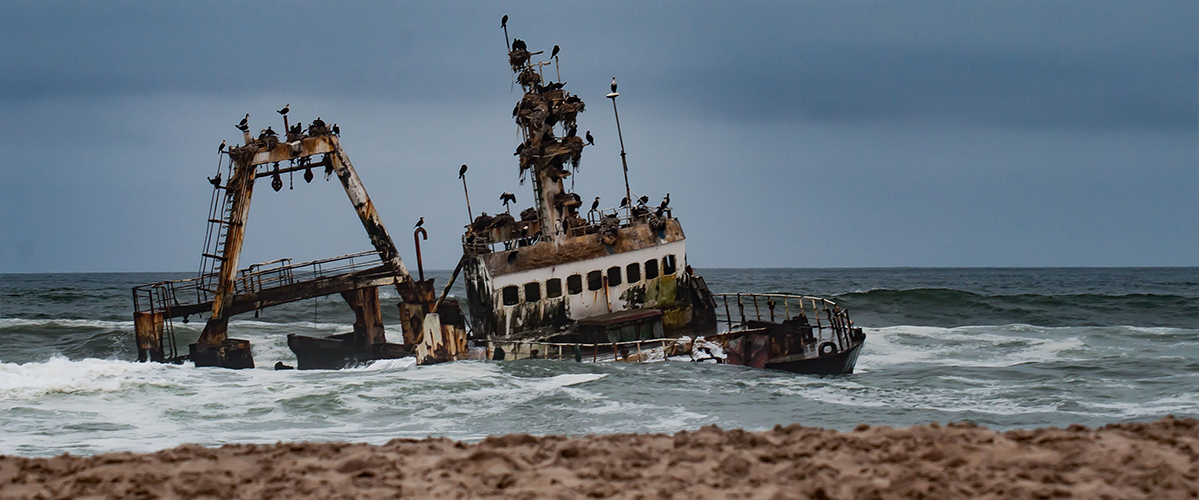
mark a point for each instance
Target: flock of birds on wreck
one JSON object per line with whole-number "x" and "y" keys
{"x": 507, "y": 197}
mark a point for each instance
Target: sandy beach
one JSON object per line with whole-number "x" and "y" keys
{"x": 1135, "y": 460}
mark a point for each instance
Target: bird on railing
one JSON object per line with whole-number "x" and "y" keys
{"x": 643, "y": 200}
{"x": 624, "y": 202}
{"x": 595, "y": 204}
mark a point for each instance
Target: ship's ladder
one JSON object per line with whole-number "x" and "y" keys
{"x": 212, "y": 258}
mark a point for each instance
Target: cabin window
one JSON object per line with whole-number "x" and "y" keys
{"x": 532, "y": 292}
{"x": 633, "y": 273}
{"x": 668, "y": 265}
{"x": 651, "y": 269}
{"x": 595, "y": 280}
{"x": 574, "y": 284}
{"x": 511, "y": 295}
{"x": 553, "y": 288}
{"x": 614, "y": 276}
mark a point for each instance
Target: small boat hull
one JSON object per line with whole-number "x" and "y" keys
{"x": 840, "y": 363}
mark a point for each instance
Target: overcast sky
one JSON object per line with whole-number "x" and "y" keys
{"x": 789, "y": 134}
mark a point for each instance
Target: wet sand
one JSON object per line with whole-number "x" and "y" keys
{"x": 1137, "y": 460}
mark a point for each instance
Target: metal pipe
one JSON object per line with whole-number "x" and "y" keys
{"x": 468, "y": 211}
{"x": 416, "y": 237}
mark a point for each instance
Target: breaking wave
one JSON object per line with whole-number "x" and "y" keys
{"x": 950, "y": 307}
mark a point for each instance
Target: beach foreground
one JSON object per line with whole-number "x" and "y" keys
{"x": 1135, "y": 460}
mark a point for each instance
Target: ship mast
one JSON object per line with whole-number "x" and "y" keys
{"x": 541, "y": 109}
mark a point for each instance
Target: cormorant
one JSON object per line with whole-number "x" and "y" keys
{"x": 286, "y": 108}
{"x": 269, "y": 131}
{"x": 519, "y": 44}
{"x": 336, "y": 130}
{"x": 516, "y": 110}
{"x": 666, "y": 201}
{"x": 554, "y": 53}
{"x": 614, "y": 84}
{"x": 624, "y": 202}
{"x": 595, "y": 204}
{"x": 244, "y": 124}
{"x": 572, "y": 131}
{"x": 215, "y": 181}
{"x": 643, "y": 200}
{"x": 419, "y": 223}
{"x": 461, "y": 173}
{"x": 590, "y": 140}
{"x": 507, "y": 198}
{"x": 504, "y": 21}
{"x": 221, "y": 149}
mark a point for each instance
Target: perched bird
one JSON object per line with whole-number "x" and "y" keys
{"x": 215, "y": 181}
{"x": 554, "y": 53}
{"x": 595, "y": 204}
{"x": 516, "y": 110}
{"x": 461, "y": 174}
{"x": 643, "y": 200}
{"x": 221, "y": 149}
{"x": 666, "y": 200}
{"x": 245, "y": 123}
{"x": 572, "y": 131}
{"x": 507, "y": 198}
{"x": 419, "y": 223}
{"x": 590, "y": 140}
{"x": 519, "y": 44}
{"x": 286, "y": 108}
{"x": 504, "y": 21}
{"x": 614, "y": 84}
{"x": 624, "y": 202}
{"x": 269, "y": 131}
{"x": 519, "y": 149}
{"x": 336, "y": 129}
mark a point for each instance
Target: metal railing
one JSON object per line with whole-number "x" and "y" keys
{"x": 164, "y": 295}
{"x": 476, "y": 242}
{"x": 827, "y": 320}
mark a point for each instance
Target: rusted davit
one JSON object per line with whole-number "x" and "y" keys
{"x": 222, "y": 289}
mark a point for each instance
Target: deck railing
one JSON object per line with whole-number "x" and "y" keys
{"x": 164, "y": 295}
{"x": 479, "y": 242}
{"x": 829, "y": 321}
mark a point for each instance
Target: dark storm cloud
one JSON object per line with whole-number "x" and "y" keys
{"x": 1071, "y": 64}
{"x": 914, "y": 132}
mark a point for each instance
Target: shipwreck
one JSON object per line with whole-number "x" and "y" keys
{"x": 563, "y": 281}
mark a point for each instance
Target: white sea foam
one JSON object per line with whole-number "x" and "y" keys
{"x": 63, "y": 376}
{"x": 66, "y": 323}
{"x": 968, "y": 346}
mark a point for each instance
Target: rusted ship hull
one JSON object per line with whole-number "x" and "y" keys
{"x": 841, "y": 363}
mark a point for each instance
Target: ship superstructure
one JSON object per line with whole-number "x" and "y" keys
{"x": 560, "y": 262}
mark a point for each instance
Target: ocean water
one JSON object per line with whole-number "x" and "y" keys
{"x": 1001, "y": 347}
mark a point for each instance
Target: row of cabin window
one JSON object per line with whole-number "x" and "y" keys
{"x": 595, "y": 281}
